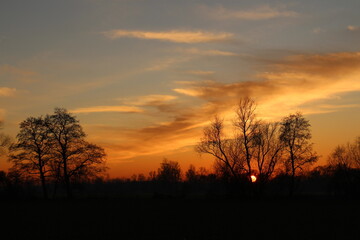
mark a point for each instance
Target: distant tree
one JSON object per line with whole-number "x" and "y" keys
{"x": 354, "y": 152}
{"x": 296, "y": 135}
{"x": 190, "y": 174}
{"x": 32, "y": 151}
{"x": 141, "y": 177}
{"x": 346, "y": 156}
{"x": 4, "y": 140}
{"x": 340, "y": 157}
{"x": 169, "y": 171}
{"x": 152, "y": 176}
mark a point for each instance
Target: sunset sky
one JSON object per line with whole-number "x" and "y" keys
{"x": 145, "y": 77}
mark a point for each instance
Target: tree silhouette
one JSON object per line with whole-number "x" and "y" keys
{"x": 295, "y": 135}
{"x": 169, "y": 172}
{"x": 67, "y": 136}
{"x": 55, "y": 147}
{"x": 4, "y": 140}
{"x": 354, "y": 152}
{"x": 32, "y": 151}
{"x": 254, "y": 148}
{"x": 190, "y": 174}
{"x": 74, "y": 158}
{"x": 268, "y": 150}
{"x": 227, "y": 151}
{"x": 248, "y": 127}
{"x": 340, "y": 157}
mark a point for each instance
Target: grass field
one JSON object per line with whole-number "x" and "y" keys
{"x": 201, "y": 218}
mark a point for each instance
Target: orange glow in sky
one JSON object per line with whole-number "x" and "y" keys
{"x": 144, "y": 87}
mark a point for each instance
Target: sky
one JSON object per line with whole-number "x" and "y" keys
{"x": 145, "y": 77}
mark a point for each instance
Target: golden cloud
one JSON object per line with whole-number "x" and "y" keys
{"x": 292, "y": 84}
{"x": 7, "y": 92}
{"x": 259, "y": 13}
{"x": 148, "y": 100}
{"x": 172, "y": 36}
{"x": 99, "y": 109}
{"x": 210, "y": 52}
{"x": 353, "y": 28}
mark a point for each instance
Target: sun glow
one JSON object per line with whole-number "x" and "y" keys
{"x": 253, "y": 178}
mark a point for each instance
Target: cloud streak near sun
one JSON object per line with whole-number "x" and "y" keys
{"x": 7, "y": 92}
{"x": 176, "y": 36}
{"x": 102, "y": 109}
{"x": 288, "y": 85}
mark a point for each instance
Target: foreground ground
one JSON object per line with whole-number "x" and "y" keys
{"x": 205, "y": 218}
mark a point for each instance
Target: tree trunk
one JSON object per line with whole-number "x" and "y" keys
{"x": 67, "y": 181}
{"x": 43, "y": 184}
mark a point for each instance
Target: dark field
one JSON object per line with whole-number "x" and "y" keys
{"x": 180, "y": 218}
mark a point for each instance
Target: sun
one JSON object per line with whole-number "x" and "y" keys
{"x": 253, "y": 178}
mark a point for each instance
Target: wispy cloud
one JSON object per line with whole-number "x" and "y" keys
{"x": 318, "y": 30}
{"x": 148, "y": 100}
{"x": 7, "y": 92}
{"x": 177, "y": 36}
{"x": 263, "y": 12}
{"x": 101, "y": 109}
{"x": 201, "y": 73}
{"x": 211, "y": 52}
{"x": 295, "y": 83}
{"x": 18, "y": 74}
{"x": 166, "y": 63}
{"x": 353, "y": 28}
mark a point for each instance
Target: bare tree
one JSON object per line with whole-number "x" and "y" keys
{"x": 346, "y": 156}
{"x": 227, "y": 151}
{"x": 31, "y": 153}
{"x": 248, "y": 127}
{"x": 354, "y": 152}
{"x": 296, "y": 136}
{"x": 4, "y": 140}
{"x": 268, "y": 151}
{"x": 87, "y": 163}
{"x": 73, "y": 157}
{"x": 340, "y": 158}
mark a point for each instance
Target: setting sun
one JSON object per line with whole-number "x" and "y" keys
{"x": 253, "y": 178}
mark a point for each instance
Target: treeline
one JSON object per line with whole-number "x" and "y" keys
{"x": 252, "y": 157}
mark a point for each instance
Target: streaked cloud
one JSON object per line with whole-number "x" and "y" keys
{"x": 148, "y": 100}
{"x": 263, "y": 12}
{"x": 101, "y": 109}
{"x": 201, "y": 73}
{"x": 293, "y": 82}
{"x": 177, "y": 36}
{"x": 296, "y": 83}
{"x": 211, "y": 52}
{"x": 7, "y": 92}
{"x": 166, "y": 63}
{"x": 318, "y": 30}
{"x": 18, "y": 74}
